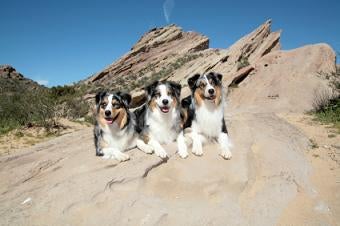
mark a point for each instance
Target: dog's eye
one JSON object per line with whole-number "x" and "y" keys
{"x": 202, "y": 85}
{"x": 103, "y": 105}
{"x": 157, "y": 94}
{"x": 116, "y": 105}
{"x": 170, "y": 93}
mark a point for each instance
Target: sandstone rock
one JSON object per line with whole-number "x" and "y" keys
{"x": 251, "y": 47}
{"x": 7, "y": 71}
{"x": 291, "y": 76}
{"x": 13, "y": 81}
{"x": 170, "y": 53}
{"x": 156, "y": 49}
{"x": 226, "y": 61}
{"x": 138, "y": 98}
{"x": 240, "y": 75}
{"x": 61, "y": 182}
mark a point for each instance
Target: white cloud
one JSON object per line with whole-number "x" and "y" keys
{"x": 42, "y": 82}
{"x": 168, "y": 6}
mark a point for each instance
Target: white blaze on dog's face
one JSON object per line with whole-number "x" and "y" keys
{"x": 163, "y": 96}
{"x": 206, "y": 87}
{"x": 112, "y": 108}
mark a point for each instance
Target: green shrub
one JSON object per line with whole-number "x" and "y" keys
{"x": 70, "y": 100}
{"x": 24, "y": 106}
{"x": 243, "y": 62}
{"x": 27, "y": 108}
{"x": 330, "y": 113}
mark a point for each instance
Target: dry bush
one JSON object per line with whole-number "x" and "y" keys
{"x": 322, "y": 98}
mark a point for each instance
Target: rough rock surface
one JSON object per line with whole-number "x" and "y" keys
{"x": 7, "y": 71}
{"x": 13, "y": 81}
{"x": 170, "y": 53}
{"x": 61, "y": 182}
{"x": 155, "y": 50}
{"x": 286, "y": 80}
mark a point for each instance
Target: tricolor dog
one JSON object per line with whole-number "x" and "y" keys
{"x": 115, "y": 129}
{"x": 204, "y": 111}
{"x": 160, "y": 118}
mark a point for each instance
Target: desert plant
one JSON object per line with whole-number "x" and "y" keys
{"x": 322, "y": 98}
{"x": 30, "y": 107}
{"x": 243, "y": 62}
{"x": 69, "y": 100}
{"x": 326, "y": 107}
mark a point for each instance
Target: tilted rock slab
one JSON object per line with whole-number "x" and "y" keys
{"x": 61, "y": 182}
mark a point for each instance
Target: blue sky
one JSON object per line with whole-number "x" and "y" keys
{"x": 60, "y": 42}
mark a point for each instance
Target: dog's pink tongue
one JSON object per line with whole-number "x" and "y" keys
{"x": 165, "y": 110}
{"x": 109, "y": 121}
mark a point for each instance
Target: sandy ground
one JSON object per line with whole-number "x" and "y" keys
{"x": 324, "y": 157}
{"x": 22, "y": 138}
{"x": 277, "y": 176}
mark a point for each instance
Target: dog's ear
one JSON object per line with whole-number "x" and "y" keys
{"x": 126, "y": 98}
{"x": 151, "y": 87}
{"x": 176, "y": 87}
{"x": 219, "y": 76}
{"x": 186, "y": 102}
{"x": 99, "y": 96}
{"x": 192, "y": 80}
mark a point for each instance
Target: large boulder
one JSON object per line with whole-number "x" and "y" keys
{"x": 286, "y": 81}
{"x": 61, "y": 182}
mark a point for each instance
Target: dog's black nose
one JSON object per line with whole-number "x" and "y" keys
{"x": 211, "y": 91}
{"x": 165, "y": 102}
{"x": 107, "y": 113}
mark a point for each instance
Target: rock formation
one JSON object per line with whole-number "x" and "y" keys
{"x": 170, "y": 53}
{"x": 269, "y": 180}
{"x": 13, "y": 81}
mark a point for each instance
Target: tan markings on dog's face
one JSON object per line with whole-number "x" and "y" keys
{"x": 174, "y": 101}
{"x": 153, "y": 104}
{"x": 118, "y": 112}
{"x": 122, "y": 118}
{"x": 218, "y": 91}
{"x": 199, "y": 96}
{"x": 101, "y": 114}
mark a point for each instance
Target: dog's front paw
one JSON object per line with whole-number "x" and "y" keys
{"x": 121, "y": 156}
{"x": 144, "y": 147}
{"x": 197, "y": 149}
{"x": 148, "y": 149}
{"x": 183, "y": 153}
{"x": 182, "y": 150}
{"x": 161, "y": 153}
{"x": 107, "y": 156}
{"x": 226, "y": 154}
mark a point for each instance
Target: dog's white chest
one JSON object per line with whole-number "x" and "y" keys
{"x": 161, "y": 128}
{"x": 209, "y": 120}
{"x": 120, "y": 140}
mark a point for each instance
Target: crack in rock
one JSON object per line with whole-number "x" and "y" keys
{"x": 44, "y": 165}
{"x": 148, "y": 170}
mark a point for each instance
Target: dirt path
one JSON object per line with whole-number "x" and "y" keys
{"x": 21, "y": 138}
{"x": 324, "y": 157}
